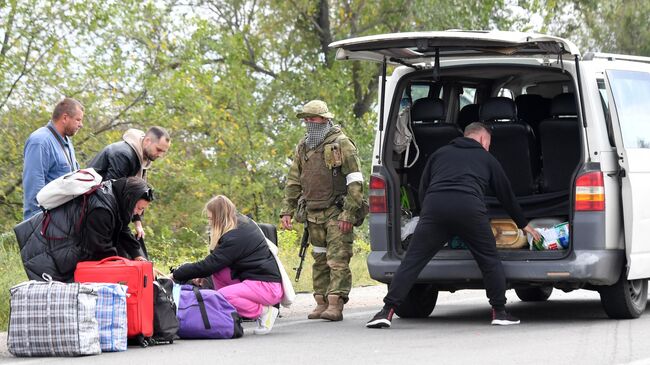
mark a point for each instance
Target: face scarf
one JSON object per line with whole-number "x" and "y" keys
{"x": 316, "y": 133}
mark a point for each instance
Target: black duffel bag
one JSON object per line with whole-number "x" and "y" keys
{"x": 165, "y": 323}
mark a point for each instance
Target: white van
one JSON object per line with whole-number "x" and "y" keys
{"x": 571, "y": 131}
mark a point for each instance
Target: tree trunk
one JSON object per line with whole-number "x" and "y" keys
{"x": 324, "y": 31}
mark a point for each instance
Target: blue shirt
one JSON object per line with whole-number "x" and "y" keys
{"x": 44, "y": 162}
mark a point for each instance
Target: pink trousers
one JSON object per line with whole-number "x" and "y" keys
{"x": 248, "y": 296}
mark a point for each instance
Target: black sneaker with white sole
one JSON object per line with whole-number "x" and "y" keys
{"x": 503, "y": 318}
{"x": 382, "y": 319}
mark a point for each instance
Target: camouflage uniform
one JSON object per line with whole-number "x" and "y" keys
{"x": 308, "y": 175}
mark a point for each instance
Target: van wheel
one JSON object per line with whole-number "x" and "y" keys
{"x": 534, "y": 294}
{"x": 419, "y": 303}
{"x": 626, "y": 299}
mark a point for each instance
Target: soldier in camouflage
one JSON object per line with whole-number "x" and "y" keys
{"x": 325, "y": 191}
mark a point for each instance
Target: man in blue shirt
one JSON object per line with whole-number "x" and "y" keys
{"x": 49, "y": 152}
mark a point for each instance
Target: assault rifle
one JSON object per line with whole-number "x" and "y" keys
{"x": 304, "y": 243}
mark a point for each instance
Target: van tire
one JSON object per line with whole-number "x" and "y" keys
{"x": 534, "y": 294}
{"x": 419, "y": 302}
{"x": 626, "y": 299}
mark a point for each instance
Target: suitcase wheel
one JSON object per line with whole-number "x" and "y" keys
{"x": 142, "y": 341}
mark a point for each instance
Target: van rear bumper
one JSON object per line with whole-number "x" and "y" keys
{"x": 595, "y": 267}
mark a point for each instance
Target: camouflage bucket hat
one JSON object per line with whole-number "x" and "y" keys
{"x": 315, "y": 108}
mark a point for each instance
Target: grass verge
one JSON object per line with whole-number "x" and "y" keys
{"x": 11, "y": 273}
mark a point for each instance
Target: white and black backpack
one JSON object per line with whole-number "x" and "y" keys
{"x": 61, "y": 190}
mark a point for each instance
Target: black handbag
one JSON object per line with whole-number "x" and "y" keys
{"x": 165, "y": 322}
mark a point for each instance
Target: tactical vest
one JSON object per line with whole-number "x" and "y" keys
{"x": 321, "y": 186}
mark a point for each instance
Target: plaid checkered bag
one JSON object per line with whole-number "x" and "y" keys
{"x": 52, "y": 319}
{"x": 111, "y": 316}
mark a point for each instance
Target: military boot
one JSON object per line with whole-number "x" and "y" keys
{"x": 321, "y": 305}
{"x": 334, "y": 311}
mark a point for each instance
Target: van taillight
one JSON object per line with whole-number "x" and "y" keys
{"x": 590, "y": 192}
{"x": 377, "y": 195}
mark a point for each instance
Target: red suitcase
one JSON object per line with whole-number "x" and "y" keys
{"x": 137, "y": 275}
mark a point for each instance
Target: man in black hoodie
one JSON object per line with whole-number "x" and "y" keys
{"x": 456, "y": 178}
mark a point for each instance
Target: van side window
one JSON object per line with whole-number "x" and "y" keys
{"x": 467, "y": 97}
{"x": 414, "y": 92}
{"x": 605, "y": 104}
{"x": 419, "y": 92}
{"x": 631, "y": 92}
{"x": 506, "y": 93}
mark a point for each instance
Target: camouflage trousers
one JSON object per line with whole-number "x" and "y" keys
{"x": 331, "y": 251}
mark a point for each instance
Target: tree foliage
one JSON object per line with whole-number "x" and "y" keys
{"x": 613, "y": 26}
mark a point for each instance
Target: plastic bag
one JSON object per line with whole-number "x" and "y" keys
{"x": 553, "y": 238}
{"x": 408, "y": 226}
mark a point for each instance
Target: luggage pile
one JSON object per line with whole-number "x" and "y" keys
{"x": 506, "y": 234}
{"x": 554, "y": 233}
{"x": 113, "y": 303}
{"x": 110, "y": 304}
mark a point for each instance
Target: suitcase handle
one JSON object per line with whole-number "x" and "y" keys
{"x": 114, "y": 258}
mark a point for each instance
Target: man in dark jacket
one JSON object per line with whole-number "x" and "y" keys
{"x": 456, "y": 178}
{"x": 132, "y": 157}
{"x": 85, "y": 228}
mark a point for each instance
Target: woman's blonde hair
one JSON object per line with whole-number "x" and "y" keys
{"x": 222, "y": 217}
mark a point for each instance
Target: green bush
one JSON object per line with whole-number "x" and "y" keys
{"x": 11, "y": 273}
{"x": 174, "y": 248}
{"x": 289, "y": 245}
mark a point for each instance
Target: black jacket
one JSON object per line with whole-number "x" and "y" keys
{"x": 465, "y": 166}
{"x": 78, "y": 232}
{"x": 116, "y": 160}
{"x": 243, "y": 250}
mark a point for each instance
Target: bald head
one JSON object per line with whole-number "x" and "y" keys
{"x": 480, "y": 133}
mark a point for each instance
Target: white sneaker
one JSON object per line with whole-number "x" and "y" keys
{"x": 266, "y": 320}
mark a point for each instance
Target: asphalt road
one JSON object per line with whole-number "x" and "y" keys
{"x": 570, "y": 328}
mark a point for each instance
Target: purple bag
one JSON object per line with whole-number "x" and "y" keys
{"x": 205, "y": 313}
